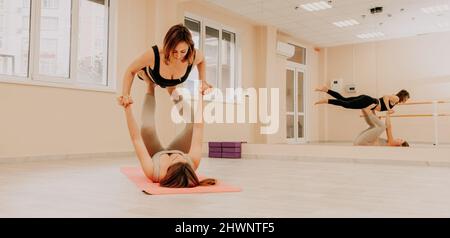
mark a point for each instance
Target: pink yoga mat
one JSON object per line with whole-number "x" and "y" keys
{"x": 147, "y": 186}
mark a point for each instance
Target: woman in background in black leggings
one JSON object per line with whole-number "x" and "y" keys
{"x": 385, "y": 103}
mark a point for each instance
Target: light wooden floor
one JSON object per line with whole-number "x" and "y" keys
{"x": 271, "y": 188}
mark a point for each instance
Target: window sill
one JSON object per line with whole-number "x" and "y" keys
{"x": 84, "y": 87}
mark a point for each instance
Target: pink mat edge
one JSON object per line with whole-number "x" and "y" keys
{"x": 135, "y": 175}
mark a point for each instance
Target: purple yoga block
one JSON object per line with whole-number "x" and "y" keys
{"x": 231, "y": 155}
{"x": 215, "y": 144}
{"x": 231, "y": 144}
{"x": 215, "y": 155}
{"x": 214, "y": 149}
{"x": 235, "y": 150}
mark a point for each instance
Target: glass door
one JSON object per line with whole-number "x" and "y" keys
{"x": 295, "y": 105}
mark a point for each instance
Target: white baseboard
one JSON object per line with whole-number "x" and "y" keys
{"x": 420, "y": 155}
{"x": 105, "y": 155}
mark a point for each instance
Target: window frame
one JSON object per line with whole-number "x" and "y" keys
{"x": 33, "y": 77}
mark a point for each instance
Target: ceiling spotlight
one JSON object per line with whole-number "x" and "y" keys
{"x": 376, "y": 10}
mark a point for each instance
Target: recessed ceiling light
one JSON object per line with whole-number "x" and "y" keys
{"x": 436, "y": 9}
{"x": 316, "y": 6}
{"x": 370, "y": 35}
{"x": 346, "y": 23}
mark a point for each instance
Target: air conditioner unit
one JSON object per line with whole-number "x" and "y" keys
{"x": 285, "y": 49}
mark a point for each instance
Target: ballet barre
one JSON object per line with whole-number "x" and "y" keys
{"x": 423, "y": 102}
{"x": 420, "y": 115}
{"x": 435, "y": 115}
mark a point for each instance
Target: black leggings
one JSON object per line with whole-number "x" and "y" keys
{"x": 359, "y": 102}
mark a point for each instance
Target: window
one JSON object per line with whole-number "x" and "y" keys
{"x": 25, "y": 45}
{"x": 47, "y": 66}
{"x": 219, "y": 46}
{"x": 13, "y": 30}
{"x": 194, "y": 26}
{"x": 26, "y": 3}
{"x": 50, "y": 4}
{"x": 49, "y": 24}
{"x": 211, "y": 51}
{"x": 57, "y": 50}
{"x": 228, "y": 60}
{"x": 91, "y": 63}
{"x": 25, "y": 23}
{"x": 48, "y": 57}
{"x": 2, "y": 22}
{"x": 70, "y": 43}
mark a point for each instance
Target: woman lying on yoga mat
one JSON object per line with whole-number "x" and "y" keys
{"x": 385, "y": 103}
{"x": 167, "y": 66}
{"x": 175, "y": 165}
{"x": 371, "y": 136}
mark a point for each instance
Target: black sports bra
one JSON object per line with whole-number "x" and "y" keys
{"x": 156, "y": 78}
{"x": 383, "y": 105}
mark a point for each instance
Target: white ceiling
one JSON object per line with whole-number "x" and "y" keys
{"x": 317, "y": 27}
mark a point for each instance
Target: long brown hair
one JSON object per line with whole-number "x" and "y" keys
{"x": 403, "y": 95}
{"x": 178, "y": 34}
{"x": 182, "y": 175}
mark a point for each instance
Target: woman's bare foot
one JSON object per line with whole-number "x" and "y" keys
{"x": 322, "y": 89}
{"x": 323, "y": 101}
